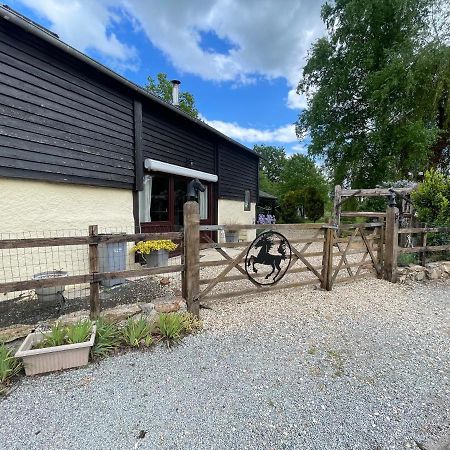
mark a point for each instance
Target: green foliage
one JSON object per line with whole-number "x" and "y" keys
{"x": 290, "y": 204}
{"x": 299, "y": 172}
{"x": 171, "y": 327}
{"x": 266, "y": 185}
{"x": 162, "y": 88}
{"x": 272, "y": 162}
{"x": 432, "y": 199}
{"x": 191, "y": 323}
{"x": 306, "y": 203}
{"x": 378, "y": 90}
{"x": 137, "y": 332}
{"x": 55, "y": 337}
{"x": 79, "y": 332}
{"x": 406, "y": 259}
{"x": 9, "y": 365}
{"x": 313, "y": 203}
{"x": 107, "y": 338}
{"x": 432, "y": 202}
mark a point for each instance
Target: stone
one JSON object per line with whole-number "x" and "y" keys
{"x": 164, "y": 281}
{"x": 14, "y": 332}
{"x": 73, "y": 317}
{"x": 147, "y": 308}
{"x": 167, "y": 307}
{"x": 420, "y": 276}
{"x": 121, "y": 312}
{"x": 434, "y": 274}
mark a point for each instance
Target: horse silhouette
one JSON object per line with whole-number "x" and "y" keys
{"x": 266, "y": 258}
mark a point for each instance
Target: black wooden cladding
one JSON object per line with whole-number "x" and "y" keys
{"x": 54, "y": 119}
{"x": 62, "y": 120}
{"x": 171, "y": 140}
{"x": 238, "y": 172}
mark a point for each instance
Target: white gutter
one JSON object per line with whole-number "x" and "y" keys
{"x": 159, "y": 166}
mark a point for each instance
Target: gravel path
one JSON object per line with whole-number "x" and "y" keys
{"x": 365, "y": 366}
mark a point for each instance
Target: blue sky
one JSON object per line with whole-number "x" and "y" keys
{"x": 242, "y": 60}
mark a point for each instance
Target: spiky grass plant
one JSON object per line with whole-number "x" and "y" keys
{"x": 107, "y": 338}
{"x": 79, "y": 332}
{"x": 137, "y": 332}
{"x": 9, "y": 366}
{"x": 55, "y": 337}
{"x": 171, "y": 327}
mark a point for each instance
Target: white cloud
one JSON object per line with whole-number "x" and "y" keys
{"x": 87, "y": 26}
{"x": 281, "y": 135}
{"x": 269, "y": 40}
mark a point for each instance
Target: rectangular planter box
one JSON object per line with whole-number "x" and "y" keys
{"x": 42, "y": 360}
{"x": 157, "y": 258}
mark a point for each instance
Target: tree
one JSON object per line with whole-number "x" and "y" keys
{"x": 378, "y": 89}
{"x": 162, "y": 88}
{"x": 300, "y": 171}
{"x": 272, "y": 161}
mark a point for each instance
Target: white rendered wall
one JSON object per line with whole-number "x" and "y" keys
{"x": 232, "y": 212}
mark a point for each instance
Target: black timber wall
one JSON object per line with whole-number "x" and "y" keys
{"x": 173, "y": 139}
{"x": 60, "y": 119}
{"x": 238, "y": 172}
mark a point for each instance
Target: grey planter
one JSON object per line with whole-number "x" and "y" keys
{"x": 112, "y": 258}
{"x": 53, "y": 293}
{"x": 157, "y": 258}
{"x": 232, "y": 236}
{"x": 42, "y": 360}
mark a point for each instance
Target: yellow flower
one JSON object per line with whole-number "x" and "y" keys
{"x": 146, "y": 247}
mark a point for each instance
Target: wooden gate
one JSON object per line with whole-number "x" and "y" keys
{"x": 359, "y": 251}
{"x": 321, "y": 255}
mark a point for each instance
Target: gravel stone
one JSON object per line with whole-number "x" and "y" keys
{"x": 365, "y": 366}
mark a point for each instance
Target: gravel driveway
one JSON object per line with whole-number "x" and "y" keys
{"x": 365, "y": 366}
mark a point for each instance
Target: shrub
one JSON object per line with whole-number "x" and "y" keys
{"x": 191, "y": 323}
{"x": 9, "y": 365}
{"x": 107, "y": 338}
{"x": 137, "y": 332}
{"x": 79, "y": 332}
{"x": 171, "y": 327}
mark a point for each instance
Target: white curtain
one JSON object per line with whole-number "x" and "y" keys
{"x": 145, "y": 200}
{"x": 203, "y": 203}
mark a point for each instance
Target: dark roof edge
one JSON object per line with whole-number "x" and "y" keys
{"x": 28, "y": 25}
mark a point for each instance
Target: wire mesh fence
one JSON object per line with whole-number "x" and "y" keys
{"x": 46, "y": 274}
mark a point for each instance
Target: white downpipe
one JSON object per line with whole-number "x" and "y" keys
{"x": 159, "y": 166}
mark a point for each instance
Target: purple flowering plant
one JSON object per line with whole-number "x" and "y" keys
{"x": 266, "y": 219}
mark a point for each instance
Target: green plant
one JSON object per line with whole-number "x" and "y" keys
{"x": 191, "y": 323}
{"x": 56, "y": 336}
{"x": 9, "y": 365}
{"x": 137, "y": 332}
{"x": 79, "y": 332}
{"x": 405, "y": 259}
{"x": 171, "y": 327}
{"x": 107, "y": 338}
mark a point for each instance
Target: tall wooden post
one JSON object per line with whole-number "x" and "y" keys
{"x": 391, "y": 244}
{"x": 191, "y": 278}
{"x": 327, "y": 261}
{"x": 94, "y": 291}
{"x": 337, "y": 205}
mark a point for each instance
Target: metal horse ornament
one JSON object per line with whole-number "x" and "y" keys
{"x": 278, "y": 261}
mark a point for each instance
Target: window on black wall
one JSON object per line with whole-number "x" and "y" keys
{"x": 247, "y": 204}
{"x": 159, "y": 209}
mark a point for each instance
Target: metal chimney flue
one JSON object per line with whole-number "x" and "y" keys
{"x": 175, "y": 92}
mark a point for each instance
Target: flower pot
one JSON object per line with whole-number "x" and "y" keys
{"x": 157, "y": 258}
{"x": 232, "y": 236}
{"x": 42, "y": 360}
{"x": 53, "y": 293}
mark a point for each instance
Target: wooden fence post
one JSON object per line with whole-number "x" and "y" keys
{"x": 191, "y": 278}
{"x": 327, "y": 260}
{"x": 337, "y": 205}
{"x": 94, "y": 291}
{"x": 391, "y": 244}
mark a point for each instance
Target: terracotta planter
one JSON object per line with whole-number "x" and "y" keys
{"x": 42, "y": 360}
